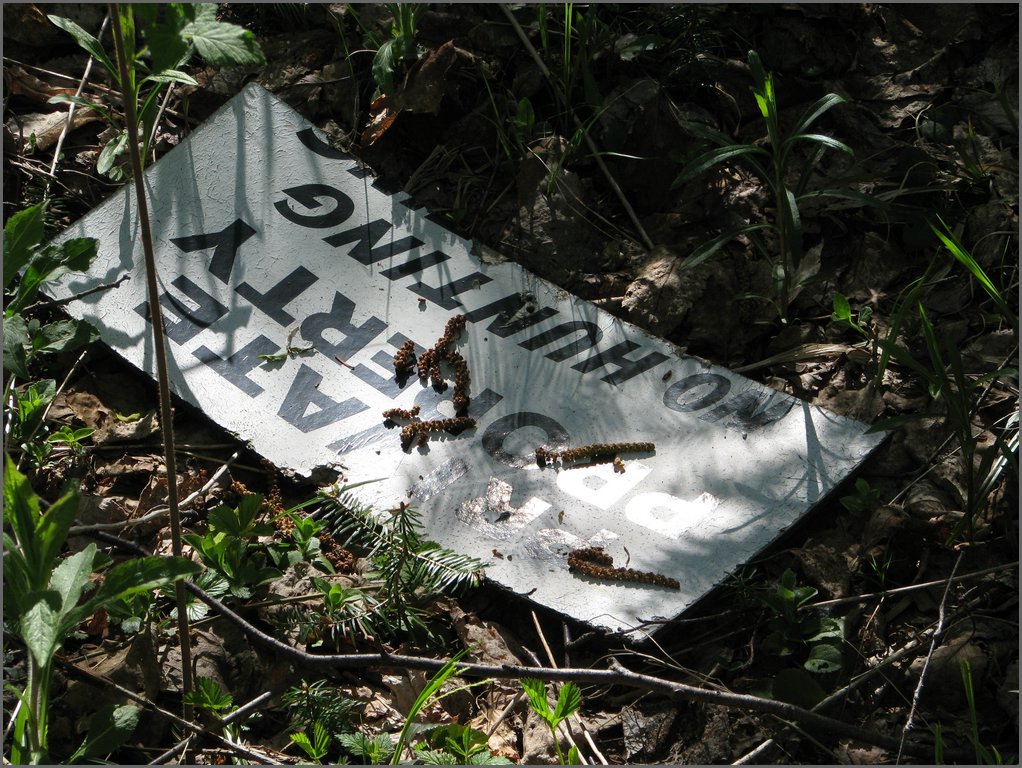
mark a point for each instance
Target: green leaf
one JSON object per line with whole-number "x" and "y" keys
{"x": 22, "y": 233}
{"x": 536, "y": 691}
{"x": 164, "y": 33}
{"x": 797, "y": 687}
{"x": 817, "y": 109}
{"x": 224, "y": 45}
{"x": 172, "y": 76}
{"x": 64, "y": 335}
{"x": 81, "y": 101}
{"x": 16, "y": 339}
{"x": 714, "y": 157}
{"x": 842, "y": 309}
{"x": 111, "y": 152}
{"x": 109, "y": 727}
{"x": 569, "y": 699}
{"x": 50, "y": 263}
{"x": 142, "y": 574}
{"x": 40, "y": 626}
{"x": 383, "y": 67}
{"x": 824, "y": 658}
{"x": 91, "y": 45}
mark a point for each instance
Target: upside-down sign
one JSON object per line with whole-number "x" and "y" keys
{"x": 289, "y": 284}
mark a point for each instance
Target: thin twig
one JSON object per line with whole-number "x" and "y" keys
{"x": 242, "y": 711}
{"x": 911, "y": 587}
{"x": 106, "y": 683}
{"x": 157, "y": 514}
{"x": 48, "y": 302}
{"x": 159, "y": 348}
{"x": 71, "y": 113}
{"x": 934, "y": 641}
{"x": 530, "y": 48}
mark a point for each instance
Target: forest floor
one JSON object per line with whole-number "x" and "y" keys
{"x": 918, "y": 550}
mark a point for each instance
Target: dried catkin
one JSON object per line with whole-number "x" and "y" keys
{"x": 594, "y": 451}
{"x": 593, "y": 561}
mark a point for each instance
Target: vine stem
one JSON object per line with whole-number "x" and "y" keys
{"x": 159, "y": 346}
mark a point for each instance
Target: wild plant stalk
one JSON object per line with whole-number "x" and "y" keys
{"x": 160, "y": 349}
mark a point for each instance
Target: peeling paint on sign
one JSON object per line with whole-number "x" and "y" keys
{"x": 270, "y": 242}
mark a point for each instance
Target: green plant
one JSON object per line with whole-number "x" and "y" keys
{"x": 171, "y": 33}
{"x": 792, "y": 630}
{"x": 376, "y": 751}
{"x": 959, "y": 394}
{"x": 456, "y": 744}
{"x": 984, "y": 755}
{"x": 406, "y": 566}
{"x": 230, "y": 545}
{"x": 318, "y": 746}
{"x": 430, "y": 692}
{"x": 109, "y": 727}
{"x": 569, "y": 699}
{"x": 43, "y": 594}
{"x": 401, "y": 50}
{"x": 864, "y": 500}
{"x": 26, "y": 340}
{"x": 772, "y": 164}
{"x": 210, "y": 697}
{"x": 320, "y": 702}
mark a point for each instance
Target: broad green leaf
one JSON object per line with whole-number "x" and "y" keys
{"x": 842, "y": 309}
{"x": 70, "y": 579}
{"x": 796, "y": 686}
{"x": 142, "y": 574}
{"x": 50, "y": 534}
{"x": 113, "y": 150}
{"x": 568, "y": 701}
{"x": 164, "y": 33}
{"x": 40, "y": 626}
{"x": 63, "y": 335}
{"x": 50, "y": 263}
{"x": 91, "y": 45}
{"x": 224, "y": 45}
{"x": 536, "y": 691}
{"x": 383, "y": 67}
{"x": 824, "y": 658}
{"x": 109, "y": 728}
{"x": 23, "y": 231}
{"x": 15, "y": 340}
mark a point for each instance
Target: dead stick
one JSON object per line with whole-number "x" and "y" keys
{"x": 616, "y": 675}
{"x": 159, "y": 348}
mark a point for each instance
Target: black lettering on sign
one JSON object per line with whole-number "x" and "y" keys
{"x": 237, "y": 367}
{"x": 287, "y": 290}
{"x": 304, "y": 394}
{"x": 416, "y": 265}
{"x": 391, "y": 387}
{"x": 512, "y": 315}
{"x": 743, "y": 412}
{"x": 191, "y": 321}
{"x": 224, "y": 243}
{"x": 497, "y": 433}
{"x": 590, "y": 338}
{"x": 311, "y": 141}
{"x": 366, "y": 237}
{"x": 616, "y": 356}
{"x": 338, "y": 319}
{"x": 444, "y": 296}
{"x": 751, "y": 409}
{"x": 678, "y": 398}
{"x": 310, "y": 196}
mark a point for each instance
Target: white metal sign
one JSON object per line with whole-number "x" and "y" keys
{"x": 269, "y": 241}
